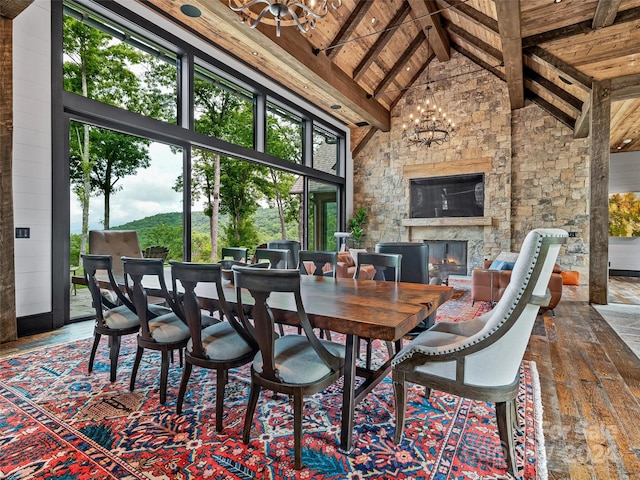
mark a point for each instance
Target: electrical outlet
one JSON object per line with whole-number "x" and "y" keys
{"x": 572, "y": 234}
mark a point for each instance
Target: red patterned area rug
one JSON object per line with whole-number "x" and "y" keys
{"x": 57, "y": 421}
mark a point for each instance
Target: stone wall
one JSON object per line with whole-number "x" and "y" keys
{"x": 525, "y": 156}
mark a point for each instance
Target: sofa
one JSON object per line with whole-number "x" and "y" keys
{"x": 488, "y": 283}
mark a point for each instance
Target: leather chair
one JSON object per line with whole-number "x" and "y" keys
{"x": 294, "y": 365}
{"x": 415, "y": 259}
{"x": 480, "y": 358}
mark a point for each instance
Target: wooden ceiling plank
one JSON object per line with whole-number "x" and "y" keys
{"x": 476, "y": 42}
{"x": 581, "y": 128}
{"x": 381, "y": 42}
{"x": 473, "y": 15}
{"x": 554, "y": 90}
{"x": 625, "y": 16}
{"x": 413, "y": 80}
{"x": 368, "y": 136}
{"x": 552, "y": 110}
{"x": 348, "y": 28}
{"x": 479, "y": 62}
{"x": 624, "y": 88}
{"x": 606, "y": 12}
{"x": 12, "y": 8}
{"x": 509, "y": 26}
{"x": 402, "y": 61}
{"x": 292, "y": 50}
{"x": 562, "y": 68}
{"x": 428, "y": 17}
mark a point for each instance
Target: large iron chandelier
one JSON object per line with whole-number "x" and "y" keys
{"x": 303, "y": 13}
{"x": 430, "y": 124}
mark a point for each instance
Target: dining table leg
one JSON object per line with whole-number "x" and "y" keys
{"x": 348, "y": 394}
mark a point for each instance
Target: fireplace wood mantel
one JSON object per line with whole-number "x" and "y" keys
{"x": 446, "y": 222}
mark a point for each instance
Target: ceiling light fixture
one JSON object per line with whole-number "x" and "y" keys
{"x": 430, "y": 124}
{"x": 627, "y": 140}
{"x": 303, "y": 13}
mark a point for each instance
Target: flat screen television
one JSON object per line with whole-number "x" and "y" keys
{"x": 450, "y": 196}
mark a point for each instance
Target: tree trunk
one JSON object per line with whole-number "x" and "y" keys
{"x": 283, "y": 224}
{"x": 215, "y": 207}
{"x": 85, "y": 165}
{"x": 8, "y": 326}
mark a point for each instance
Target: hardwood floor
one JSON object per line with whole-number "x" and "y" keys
{"x": 590, "y": 382}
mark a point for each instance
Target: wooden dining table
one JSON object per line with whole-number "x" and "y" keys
{"x": 358, "y": 309}
{"x": 372, "y": 309}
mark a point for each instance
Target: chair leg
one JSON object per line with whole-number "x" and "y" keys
{"x": 400, "y": 391}
{"x": 221, "y": 383}
{"x": 504, "y": 414}
{"x": 251, "y": 407}
{"x": 390, "y": 349}
{"x": 186, "y": 373}
{"x": 297, "y": 431}
{"x": 136, "y": 364}
{"x": 369, "y": 352}
{"x": 94, "y": 349}
{"x": 114, "y": 351}
{"x": 164, "y": 375}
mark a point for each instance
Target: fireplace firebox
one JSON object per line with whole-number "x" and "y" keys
{"x": 447, "y": 257}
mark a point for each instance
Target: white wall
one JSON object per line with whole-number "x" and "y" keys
{"x": 624, "y": 176}
{"x": 32, "y": 156}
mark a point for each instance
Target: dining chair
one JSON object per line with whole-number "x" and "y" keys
{"x": 276, "y": 257}
{"x": 316, "y": 261}
{"x": 164, "y": 333}
{"x": 221, "y": 346}
{"x": 480, "y": 358}
{"x": 238, "y": 254}
{"x": 115, "y": 317}
{"x": 295, "y": 365}
{"x": 292, "y": 245}
{"x": 381, "y": 262}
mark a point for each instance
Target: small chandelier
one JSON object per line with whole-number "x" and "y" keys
{"x": 429, "y": 125}
{"x": 303, "y": 13}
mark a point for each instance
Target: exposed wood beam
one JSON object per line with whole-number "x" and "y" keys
{"x": 562, "y": 68}
{"x": 555, "y": 112}
{"x": 8, "y": 327}
{"x": 399, "y": 65}
{"x": 381, "y": 42}
{"x": 625, "y": 88}
{"x": 472, "y": 14}
{"x": 581, "y": 128}
{"x": 348, "y": 28}
{"x": 606, "y": 12}
{"x": 429, "y": 20}
{"x": 476, "y": 42}
{"x": 509, "y": 25}
{"x": 12, "y": 8}
{"x": 368, "y": 136}
{"x": 625, "y": 16}
{"x": 599, "y": 187}
{"x": 479, "y": 62}
{"x": 292, "y": 52}
{"x": 565, "y": 97}
{"x": 413, "y": 80}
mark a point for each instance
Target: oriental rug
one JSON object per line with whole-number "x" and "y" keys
{"x": 58, "y": 421}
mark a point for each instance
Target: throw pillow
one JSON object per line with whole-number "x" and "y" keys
{"x": 497, "y": 265}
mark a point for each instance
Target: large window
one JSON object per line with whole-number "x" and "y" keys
{"x": 166, "y": 158}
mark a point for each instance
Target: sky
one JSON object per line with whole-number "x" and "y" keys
{"x": 147, "y": 193}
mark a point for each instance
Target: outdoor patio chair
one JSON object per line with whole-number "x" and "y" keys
{"x": 115, "y": 313}
{"x": 480, "y": 358}
{"x": 221, "y": 346}
{"x": 295, "y": 365}
{"x": 117, "y": 243}
{"x": 156, "y": 251}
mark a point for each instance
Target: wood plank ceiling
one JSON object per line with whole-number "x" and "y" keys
{"x": 364, "y": 55}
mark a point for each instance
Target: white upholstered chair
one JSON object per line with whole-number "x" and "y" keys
{"x": 480, "y": 358}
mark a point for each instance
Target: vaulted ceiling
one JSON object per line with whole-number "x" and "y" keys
{"x": 364, "y": 55}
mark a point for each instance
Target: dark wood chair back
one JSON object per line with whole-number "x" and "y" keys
{"x": 381, "y": 261}
{"x": 277, "y": 258}
{"x": 235, "y": 253}
{"x": 319, "y": 259}
{"x": 95, "y": 266}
